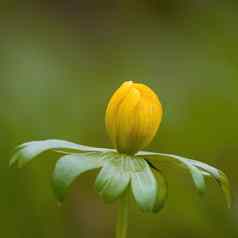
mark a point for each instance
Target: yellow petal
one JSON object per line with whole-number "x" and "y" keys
{"x": 125, "y": 120}
{"x": 112, "y": 108}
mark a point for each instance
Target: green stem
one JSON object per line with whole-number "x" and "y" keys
{"x": 122, "y": 218}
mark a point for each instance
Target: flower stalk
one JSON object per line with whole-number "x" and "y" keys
{"x": 122, "y": 217}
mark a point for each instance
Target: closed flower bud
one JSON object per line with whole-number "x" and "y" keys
{"x": 133, "y": 117}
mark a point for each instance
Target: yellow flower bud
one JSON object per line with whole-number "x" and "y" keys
{"x": 133, "y": 117}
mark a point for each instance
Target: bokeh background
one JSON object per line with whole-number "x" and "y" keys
{"x": 59, "y": 63}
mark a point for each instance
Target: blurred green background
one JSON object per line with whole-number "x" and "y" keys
{"x": 60, "y": 62}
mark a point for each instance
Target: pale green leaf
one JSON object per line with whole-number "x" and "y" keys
{"x": 69, "y": 167}
{"x": 144, "y": 185}
{"x": 197, "y": 175}
{"x": 113, "y": 178}
{"x": 27, "y": 151}
{"x": 219, "y": 176}
{"x": 162, "y": 190}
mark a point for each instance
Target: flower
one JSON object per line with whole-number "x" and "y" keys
{"x": 133, "y": 116}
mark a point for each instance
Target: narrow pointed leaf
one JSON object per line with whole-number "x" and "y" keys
{"x": 113, "y": 179}
{"x": 69, "y": 167}
{"x": 144, "y": 185}
{"x": 219, "y": 176}
{"x": 27, "y": 151}
{"x": 197, "y": 175}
